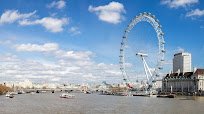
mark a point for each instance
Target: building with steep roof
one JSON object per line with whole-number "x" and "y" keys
{"x": 187, "y": 82}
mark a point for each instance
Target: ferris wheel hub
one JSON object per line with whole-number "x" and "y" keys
{"x": 142, "y": 54}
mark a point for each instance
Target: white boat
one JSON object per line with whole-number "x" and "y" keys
{"x": 21, "y": 92}
{"x": 66, "y": 95}
{"x": 9, "y": 95}
{"x": 43, "y": 91}
{"x": 32, "y": 93}
{"x": 151, "y": 95}
{"x": 13, "y": 93}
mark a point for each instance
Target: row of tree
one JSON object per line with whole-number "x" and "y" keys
{"x": 4, "y": 89}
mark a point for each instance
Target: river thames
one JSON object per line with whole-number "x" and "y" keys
{"x": 48, "y": 103}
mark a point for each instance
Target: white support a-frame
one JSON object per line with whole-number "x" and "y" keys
{"x": 148, "y": 73}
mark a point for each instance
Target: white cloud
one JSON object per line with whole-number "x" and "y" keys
{"x": 57, "y": 4}
{"x": 74, "y": 31}
{"x": 111, "y": 13}
{"x": 114, "y": 73}
{"x": 16, "y": 69}
{"x": 11, "y": 16}
{"x": 50, "y": 23}
{"x": 79, "y": 55}
{"x": 89, "y": 77}
{"x": 47, "y": 47}
{"x": 56, "y": 79}
{"x": 179, "y": 3}
{"x": 53, "y": 48}
{"x": 179, "y": 50}
{"x": 8, "y": 58}
{"x": 65, "y": 66}
{"x": 195, "y": 13}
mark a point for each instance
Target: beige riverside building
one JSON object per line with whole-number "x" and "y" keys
{"x": 183, "y": 80}
{"x": 184, "y": 83}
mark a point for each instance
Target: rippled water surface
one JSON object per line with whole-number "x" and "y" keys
{"x": 48, "y": 103}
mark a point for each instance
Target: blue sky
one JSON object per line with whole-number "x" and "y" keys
{"x": 79, "y": 41}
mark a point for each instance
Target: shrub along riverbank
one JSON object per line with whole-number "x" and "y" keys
{"x": 4, "y": 89}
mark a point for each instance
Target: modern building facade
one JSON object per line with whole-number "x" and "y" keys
{"x": 182, "y": 62}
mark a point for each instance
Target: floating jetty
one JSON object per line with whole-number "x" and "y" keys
{"x": 166, "y": 96}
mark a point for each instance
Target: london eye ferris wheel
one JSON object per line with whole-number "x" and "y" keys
{"x": 151, "y": 73}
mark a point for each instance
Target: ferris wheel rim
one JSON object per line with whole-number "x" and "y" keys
{"x": 154, "y": 22}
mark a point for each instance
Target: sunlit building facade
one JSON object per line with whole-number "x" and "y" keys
{"x": 182, "y": 62}
{"x": 188, "y": 82}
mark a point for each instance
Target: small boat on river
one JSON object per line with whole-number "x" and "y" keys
{"x": 13, "y": 93}
{"x": 9, "y": 95}
{"x": 66, "y": 95}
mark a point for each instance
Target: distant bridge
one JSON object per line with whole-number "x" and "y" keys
{"x": 50, "y": 89}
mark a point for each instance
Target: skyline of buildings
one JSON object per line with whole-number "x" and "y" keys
{"x": 183, "y": 79}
